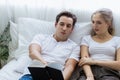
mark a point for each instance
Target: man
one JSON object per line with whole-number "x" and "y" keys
{"x": 57, "y": 47}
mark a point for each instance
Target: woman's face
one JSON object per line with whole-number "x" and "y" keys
{"x": 99, "y": 25}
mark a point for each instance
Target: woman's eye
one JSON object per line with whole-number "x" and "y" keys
{"x": 99, "y": 22}
{"x": 92, "y": 21}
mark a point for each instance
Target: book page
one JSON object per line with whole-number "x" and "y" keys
{"x": 36, "y": 63}
{"x": 56, "y": 66}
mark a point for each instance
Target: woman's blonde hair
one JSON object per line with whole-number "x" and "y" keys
{"x": 107, "y": 15}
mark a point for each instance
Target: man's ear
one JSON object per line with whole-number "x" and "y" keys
{"x": 55, "y": 24}
{"x": 72, "y": 28}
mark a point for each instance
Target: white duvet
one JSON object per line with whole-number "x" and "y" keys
{"x": 8, "y": 72}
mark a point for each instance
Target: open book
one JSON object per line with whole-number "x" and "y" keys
{"x": 52, "y": 71}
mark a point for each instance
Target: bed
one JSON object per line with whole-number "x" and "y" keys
{"x": 31, "y": 18}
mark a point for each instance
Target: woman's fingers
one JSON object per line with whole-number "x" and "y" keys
{"x": 81, "y": 62}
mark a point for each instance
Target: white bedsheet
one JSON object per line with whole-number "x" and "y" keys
{"x": 8, "y": 73}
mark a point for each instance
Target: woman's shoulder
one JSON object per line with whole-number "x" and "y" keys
{"x": 116, "y": 38}
{"x": 87, "y": 36}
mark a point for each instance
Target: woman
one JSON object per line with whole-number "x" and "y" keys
{"x": 100, "y": 51}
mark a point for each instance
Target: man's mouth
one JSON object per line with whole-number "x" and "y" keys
{"x": 63, "y": 33}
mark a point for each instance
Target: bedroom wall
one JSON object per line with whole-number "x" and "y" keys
{"x": 47, "y": 9}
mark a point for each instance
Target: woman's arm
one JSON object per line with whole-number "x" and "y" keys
{"x": 86, "y": 68}
{"x": 35, "y": 52}
{"x": 110, "y": 64}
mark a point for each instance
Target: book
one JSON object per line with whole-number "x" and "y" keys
{"x": 51, "y": 71}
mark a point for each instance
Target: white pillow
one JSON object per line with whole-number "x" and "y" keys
{"x": 14, "y": 36}
{"x": 29, "y": 27}
{"x": 22, "y": 63}
{"x": 80, "y": 30}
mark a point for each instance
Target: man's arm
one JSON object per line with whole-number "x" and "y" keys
{"x": 35, "y": 52}
{"x": 69, "y": 68}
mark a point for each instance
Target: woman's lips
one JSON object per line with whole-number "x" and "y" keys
{"x": 96, "y": 29}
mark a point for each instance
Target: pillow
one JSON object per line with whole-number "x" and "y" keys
{"x": 29, "y": 27}
{"x": 80, "y": 30}
{"x": 22, "y": 63}
{"x": 13, "y": 44}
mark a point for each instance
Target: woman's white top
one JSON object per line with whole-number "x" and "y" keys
{"x": 102, "y": 51}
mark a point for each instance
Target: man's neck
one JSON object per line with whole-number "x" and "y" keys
{"x": 59, "y": 39}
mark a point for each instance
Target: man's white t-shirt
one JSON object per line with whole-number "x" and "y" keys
{"x": 53, "y": 51}
{"x": 102, "y": 51}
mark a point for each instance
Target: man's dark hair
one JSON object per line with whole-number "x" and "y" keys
{"x": 67, "y": 14}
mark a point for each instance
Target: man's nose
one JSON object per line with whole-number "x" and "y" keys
{"x": 65, "y": 27}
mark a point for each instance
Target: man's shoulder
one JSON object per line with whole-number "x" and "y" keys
{"x": 71, "y": 42}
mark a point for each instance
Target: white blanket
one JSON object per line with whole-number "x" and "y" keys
{"x": 8, "y": 72}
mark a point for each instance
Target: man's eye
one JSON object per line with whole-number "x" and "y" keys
{"x": 61, "y": 24}
{"x": 69, "y": 26}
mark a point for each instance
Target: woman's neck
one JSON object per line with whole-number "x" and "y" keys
{"x": 104, "y": 36}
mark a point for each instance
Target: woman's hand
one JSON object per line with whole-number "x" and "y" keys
{"x": 90, "y": 78}
{"x": 86, "y": 60}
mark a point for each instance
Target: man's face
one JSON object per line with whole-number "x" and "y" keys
{"x": 64, "y": 28}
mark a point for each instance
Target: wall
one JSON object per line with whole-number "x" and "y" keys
{"x": 47, "y": 9}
